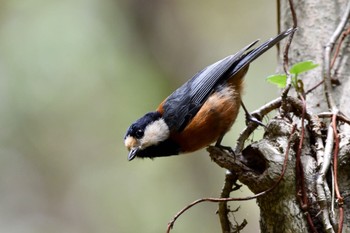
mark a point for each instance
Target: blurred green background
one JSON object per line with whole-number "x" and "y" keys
{"x": 74, "y": 75}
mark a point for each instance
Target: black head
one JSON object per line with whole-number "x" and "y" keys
{"x": 148, "y": 131}
{"x": 137, "y": 129}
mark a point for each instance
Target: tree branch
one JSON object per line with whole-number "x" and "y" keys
{"x": 327, "y": 58}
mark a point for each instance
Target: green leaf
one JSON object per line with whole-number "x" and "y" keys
{"x": 303, "y": 66}
{"x": 278, "y": 79}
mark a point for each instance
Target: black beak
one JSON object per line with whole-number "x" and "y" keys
{"x": 132, "y": 154}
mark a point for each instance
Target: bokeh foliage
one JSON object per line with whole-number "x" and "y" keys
{"x": 74, "y": 74}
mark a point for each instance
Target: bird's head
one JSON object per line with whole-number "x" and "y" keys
{"x": 148, "y": 131}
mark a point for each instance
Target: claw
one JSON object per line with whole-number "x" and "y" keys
{"x": 250, "y": 118}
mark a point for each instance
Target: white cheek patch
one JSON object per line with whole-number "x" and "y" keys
{"x": 155, "y": 133}
{"x": 131, "y": 142}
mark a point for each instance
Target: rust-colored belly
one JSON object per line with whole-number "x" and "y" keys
{"x": 213, "y": 120}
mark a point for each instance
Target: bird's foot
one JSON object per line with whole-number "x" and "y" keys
{"x": 227, "y": 148}
{"x": 251, "y": 118}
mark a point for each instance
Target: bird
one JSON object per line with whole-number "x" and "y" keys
{"x": 198, "y": 113}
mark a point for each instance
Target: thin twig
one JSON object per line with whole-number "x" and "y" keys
{"x": 340, "y": 199}
{"x": 340, "y": 117}
{"x": 230, "y": 180}
{"x": 299, "y": 168}
{"x": 260, "y": 113}
{"x": 326, "y": 61}
{"x": 301, "y": 189}
{"x": 324, "y": 161}
{"x": 322, "y": 197}
{"x": 336, "y": 53}
{"x": 290, "y": 38}
{"x": 267, "y": 108}
{"x": 286, "y": 51}
{"x": 313, "y": 88}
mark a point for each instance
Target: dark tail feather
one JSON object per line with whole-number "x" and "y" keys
{"x": 255, "y": 53}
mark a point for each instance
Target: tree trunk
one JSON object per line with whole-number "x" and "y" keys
{"x": 303, "y": 201}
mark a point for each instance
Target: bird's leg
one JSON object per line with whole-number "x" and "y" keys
{"x": 250, "y": 117}
{"x": 218, "y": 144}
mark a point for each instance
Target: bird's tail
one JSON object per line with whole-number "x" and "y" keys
{"x": 255, "y": 53}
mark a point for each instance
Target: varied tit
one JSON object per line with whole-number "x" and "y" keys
{"x": 198, "y": 113}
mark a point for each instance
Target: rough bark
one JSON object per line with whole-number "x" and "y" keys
{"x": 259, "y": 165}
{"x": 317, "y": 20}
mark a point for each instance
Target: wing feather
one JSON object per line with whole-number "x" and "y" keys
{"x": 184, "y": 103}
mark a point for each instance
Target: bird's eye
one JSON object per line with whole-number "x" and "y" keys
{"x": 139, "y": 133}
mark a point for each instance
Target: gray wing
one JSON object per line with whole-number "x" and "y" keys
{"x": 183, "y": 104}
{"x": 255, "y": 53}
